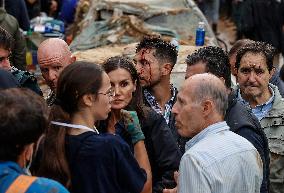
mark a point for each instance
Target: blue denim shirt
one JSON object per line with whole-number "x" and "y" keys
{"x": 259, "y": 111}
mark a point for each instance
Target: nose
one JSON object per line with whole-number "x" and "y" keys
{"x": 174, "y": 109}
{"x": 52, "y": 75}
{"x": 251, "y": 77}
{"x": 117, "y": 90}
{"x": 138, "y": 68}
{"x": 6, "y": 64}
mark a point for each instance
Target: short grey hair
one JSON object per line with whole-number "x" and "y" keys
{"x": 210, "y": 89}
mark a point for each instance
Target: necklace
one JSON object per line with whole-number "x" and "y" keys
{"x": 82, "y": 127}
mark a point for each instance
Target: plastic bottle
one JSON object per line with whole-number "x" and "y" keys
{"x": 29, "y": 58}
{"x": 200, "y": 34}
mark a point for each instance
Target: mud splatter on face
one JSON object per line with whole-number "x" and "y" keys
{"x": 145, "y": 65}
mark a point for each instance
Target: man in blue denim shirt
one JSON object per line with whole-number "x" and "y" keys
{"x": 254, "y": 65}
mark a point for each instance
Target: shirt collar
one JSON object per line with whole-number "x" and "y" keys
{"x": 12, "y": 165}
{"x": 174, "y": 92}
{"x": 154, "y": 104}
{"x": 270, "y": 100}
{"x": 212, "y": 129}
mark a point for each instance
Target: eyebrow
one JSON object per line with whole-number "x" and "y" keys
{"x": 124, "y": 80}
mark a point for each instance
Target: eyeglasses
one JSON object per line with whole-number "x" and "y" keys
{"x": 5, "y": 58}
{"x": 109, "y": 93}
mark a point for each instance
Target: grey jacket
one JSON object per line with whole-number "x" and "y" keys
{"x": 273, "y": 126}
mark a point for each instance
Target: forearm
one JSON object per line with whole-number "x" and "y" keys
{"x": 141, "y": 156}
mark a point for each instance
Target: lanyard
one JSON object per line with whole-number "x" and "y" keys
{"x": 83, "y": 127}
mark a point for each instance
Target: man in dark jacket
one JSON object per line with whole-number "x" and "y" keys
{"x": 239, "y": 118}
{"x": 24, "y": 78}
{"x": 155, "y": 59}
{"x": 275, "y": 79}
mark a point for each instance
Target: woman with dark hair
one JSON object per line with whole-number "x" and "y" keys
{"x": 74, "y": 153}
{"x": 22, "y": 123}
{"x": 163, "y": 153}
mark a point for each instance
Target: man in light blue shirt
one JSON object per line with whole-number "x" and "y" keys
{"x": 254, "y": 64}
{"x": 216, "y": 159}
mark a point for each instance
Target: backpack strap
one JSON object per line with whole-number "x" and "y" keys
{"x": 21, "y": 184}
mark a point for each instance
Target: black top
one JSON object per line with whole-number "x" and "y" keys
{"x": 102, "y": 164}
{"x": 7, "y": 80}
{"x": 163, "y": 152}
{"x": 18, "y": 9}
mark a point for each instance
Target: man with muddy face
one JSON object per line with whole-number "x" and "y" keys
{"x": 154, "y": 61}
{"x": 254, "y": 65}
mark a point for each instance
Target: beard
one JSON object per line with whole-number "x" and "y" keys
{"x": 148, "y": 84}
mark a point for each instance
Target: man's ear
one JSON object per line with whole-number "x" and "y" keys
{"x": 167, "y": 68}
{"x": 207, "y": 107}
{"x": 272, "y": 71}
{"x": 73, "y": 59}
{"x": 28, "y": 151}
{"x": 223, "y": 80}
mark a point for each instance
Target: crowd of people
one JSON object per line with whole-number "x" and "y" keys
{"x": 122, "y": 127}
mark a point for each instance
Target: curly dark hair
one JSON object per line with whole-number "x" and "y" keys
{"x": 165, "y": 51}
{"x": 267, "y": 50}
{"x": 216, "y": 60}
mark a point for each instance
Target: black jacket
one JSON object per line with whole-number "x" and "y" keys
{"x": 242, "y": 122}
{"x": 7, "y": 80}
{"x": 180, "y": 141}
{"x": 163, "y": 153}
{"x": 262, "y": 20}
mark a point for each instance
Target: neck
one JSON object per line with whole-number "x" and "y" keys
{"x": 162, "y": 93}
{"x": 114, "y": 118}
{"x": 258, "y": 100}
{"x": 83, "y": 118}
{"x": 21, "y": 161}
{"x": 212, "y": 119}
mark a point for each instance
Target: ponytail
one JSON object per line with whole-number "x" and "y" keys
{"x": 54, "y": 163}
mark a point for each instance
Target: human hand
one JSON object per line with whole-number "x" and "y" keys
{"x": 174, "y": 190}
{"x": 132, "y": 125}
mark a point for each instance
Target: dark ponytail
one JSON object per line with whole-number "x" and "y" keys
{"x": 76, "y": 80}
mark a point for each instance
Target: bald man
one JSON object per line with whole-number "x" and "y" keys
{"x": 216, "y": 159}
{"x": 53, "y": 56}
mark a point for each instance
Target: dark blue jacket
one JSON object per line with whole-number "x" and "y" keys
{"x": 241, "y": 121}
{"x": 18, "y": 9}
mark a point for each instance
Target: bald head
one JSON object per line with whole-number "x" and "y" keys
{"x": 202, "y": 101}
{"x": 53, "y": 56}
{"x": 208, "y": 86}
